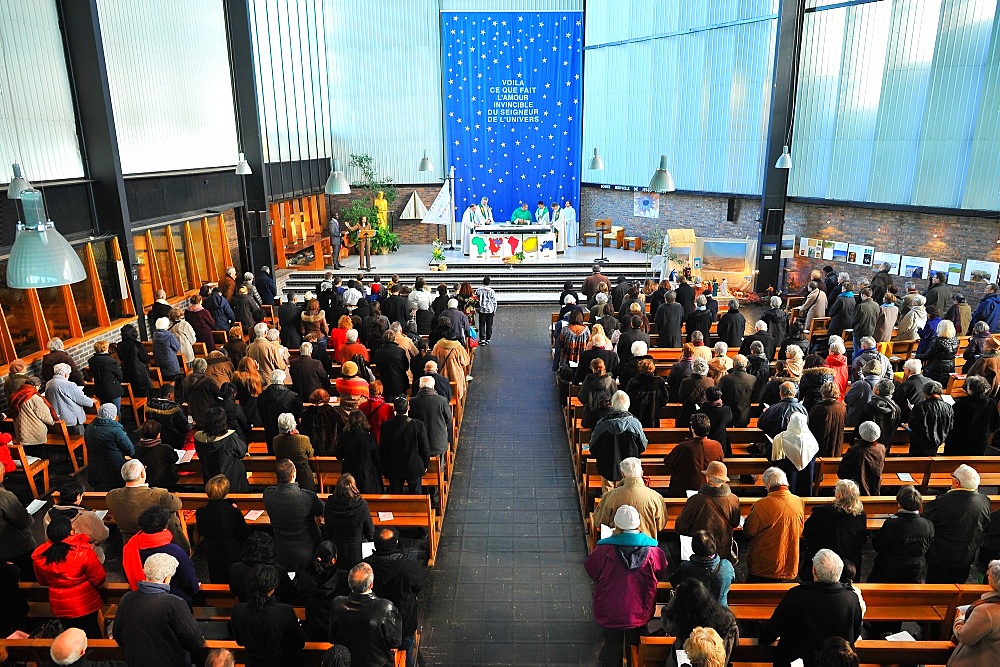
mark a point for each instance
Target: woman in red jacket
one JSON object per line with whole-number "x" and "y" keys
{"x": 69, "y": 567}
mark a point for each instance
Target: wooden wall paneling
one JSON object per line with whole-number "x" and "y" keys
{"x": 214, "y": 272}
{"x": 6, "y": 340}
{"x": 154, "y": 266}
{"x": 103, "y": 318}
{"x": 278, "y": 235}
{"x": 128, "y": 305}
{"x": 41, "y": 327}
{"x": 196, "y": 274}
{"x": 174, "y": 269}
{"x": 72, "y": 314}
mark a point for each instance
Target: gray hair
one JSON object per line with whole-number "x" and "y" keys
{"x": 843, "y": 276}
{"x": 919, "y": 300}
{"x": 932, "y": 388}
{"x": 774, "y": 477}
{"x": 837, "y": 345}
{"x": 793, "y": 352}
{"x": 107, "y": 411}
{"x": 631, "y": 467}
{"x": 788, "y": 389}
{"x": 760, "y": 325}
{"x": 909, "y": 284}
{"x": 453, "y": 303}
{"x": 132, "y": 470}
{"x": 775, "y": 302}
{"x": 62, "y": 370}
{"x": 699, "y": 366}
{"x": 967, "y": 477}
{"x": 159, "y": 567}
{"x": 620, "y": 401}
{"x": 867, "y": 342}
{"x": 160, "y": 294}
{"x": 847, "y": 496}
{"x": 946, "y": 329}
{"x": 277, "y": 376}
{"x": 273, "y": 334}
{"x": 286, "y": 422}
{"x": 721, "y": 348}
{"x": 162, "y": 323}
{"x": 741, "y": 362}
{"x": 260, "y": 329}
{"x": 697, "y": 336}
{"x": 55, "y": 344}
{"x": 872, "y": 367}
{"x": 361, "y": 577}
{"x": 913, "y": 365}
{"x": 976, "y": 385}
{"x": 352, "y": 335}
{"x": 993, "y": 569}
{"x": 734, "y": 304}
{"x": 306, "y": 349}
{"x": 396, "y": 327}
{"x": 199, "y": 365}
{"x": 886, "y": 266}
{"x": 639, "y": 348}
{"x": 980, "y": 327}
{"x": 828, "y": 566}
{"x": 431, "y": 367}
{"x": 426, "y": 382}
{"x": 756, "y": 347}
{"x": 701, "y": 300}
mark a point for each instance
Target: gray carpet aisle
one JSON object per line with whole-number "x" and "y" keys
{"x": 509, "y": 585}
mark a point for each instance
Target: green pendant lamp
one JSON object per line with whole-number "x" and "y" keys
{"x": 662, "y": 181}
{"x": 41, "y": 256}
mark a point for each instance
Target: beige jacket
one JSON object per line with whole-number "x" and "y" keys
{"x": 32, "y": 422}
{"x": 126, "y": 504}
{"x": 269, "y": 356}
{"x": 186, "y": 336}
{"x": 454, "y": 365}
{"x": 649, "y": 503}
{"x": 978, "y": 635}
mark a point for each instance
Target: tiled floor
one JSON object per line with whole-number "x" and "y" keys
{"x": 509, "y": 585}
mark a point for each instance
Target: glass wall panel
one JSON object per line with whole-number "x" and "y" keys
{"x": 54, "y": 310}
{"x": 177, "y": 240}
{"x": 164, "y": 263}
{"x": 200, "y": 256}
{"x": 18, "y": 314}
{"x": 83, "y": 294}
{"x": 146, "y": 268}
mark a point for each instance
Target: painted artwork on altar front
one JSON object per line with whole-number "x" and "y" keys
{"x": 646, "y": 205}
{"x": 724, "y": 256}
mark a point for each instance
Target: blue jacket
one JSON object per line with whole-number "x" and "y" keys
{"x": 636, "y": 539}
{"x": 987, "y": 311}
{"x": 265, "y": 285}
{"x": 107, "y": 446}
{"x": 165, "y": 349}
{"x": 223, "y": 313}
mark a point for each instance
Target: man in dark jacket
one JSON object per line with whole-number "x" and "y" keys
{"x": 265, "y": 286}
{"x": 776, "y": 319}
{"x": 273, "y": 401}
{"x": 902, "y": 543}
{"x": 591, "y": 283}
{"x": 393, "y": 366}
{"x": 399, "y": 580}
{"x": 154, "y": 627}
{"x": 688, "y": 459}
{"x": 433, "y": 410}
{"x": 988, "y": 309}
{"x": 866, "y": 350}
{"x": 616, "y": 436}
{"x": 911, "y": 391}
{"x": 930, "y": 422}
{"x": 811, "y": 613}
{"x": 699, "y": 319}
{"x": 960, "y": 518}
{"x": 883, "y": 411}
{"x": 394, "y": 308}
{"x": 405, "y": 450}
{"x": 459, "y": 320}
{"x": 657, "y": 298}
{"x": 881, "y": 282}
{"x": 292, "y": 511}
{"x": 685, "y": 296}
{"x": 290, "y": 321}
{"x": 732, "y": 326}
{"x": 630, "y": 334}
{"x": 16, "y": 537}
{"x": 669, "y": 318}
{"x": 618, "y": 293}
{"x": 774, "y": 420}
{"x": 841, "y": 310}
{"x": 938, "y": 294}
{"x": 737, "y": 389}
{"x": 865, "y": 319}
{"x": 308, "y": 373}
{"x": 861, "y": 392}
{"x": 221, "y": 311}
{"x": 609, "y": 357}
{"x": 370, "y": 627}
{"x": 160, "y": 308}
{"x": 760, "y": 334}
{"x": 829, "y": 280}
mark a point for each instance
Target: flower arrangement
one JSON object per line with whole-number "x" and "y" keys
{"x": 437, "y": 252}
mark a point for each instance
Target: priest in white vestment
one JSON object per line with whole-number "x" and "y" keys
{"x": 570, "y": 224}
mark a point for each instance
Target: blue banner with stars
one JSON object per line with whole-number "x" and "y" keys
{"x": 513, "y": 107}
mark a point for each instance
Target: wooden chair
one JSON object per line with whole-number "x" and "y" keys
{"x": 31, "y": 466}
{"x": 615, "y": 235}
{"x": 600, "y": 226}
{"x": 137, "y": 404}
{"x": 220, "y": 337}
{"x": 59, "y": 435}
{"x": 633, "y": 243}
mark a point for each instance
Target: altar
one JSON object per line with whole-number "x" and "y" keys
{"x": 503, "y": 240}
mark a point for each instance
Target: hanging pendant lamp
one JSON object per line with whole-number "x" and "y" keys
{"x": 41, "y": 256}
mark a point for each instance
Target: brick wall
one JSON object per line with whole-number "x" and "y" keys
{"x": 410, "y": 231}
{"x": 958, "y": 237}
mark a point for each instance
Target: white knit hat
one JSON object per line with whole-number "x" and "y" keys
{"x": 869, "y": 431}
{"x": 627, "y": 518}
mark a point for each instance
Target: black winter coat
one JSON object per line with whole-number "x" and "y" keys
{"x": 841, "y": 314}
{"x": 392, "y": 364}
{"x": 975, "y": 422}
{"x": 807, "y": 616}
{"x": 348, "y": 523}
{"x": 830, "y": 527}
{"x": 810, "y": 383}
{"x": 368, "y": 626}
{"x": 939, "y": 359}
{"x": 648, "y": 395}
{"x": 685, "y": 297}
{"x": 157, "y": 629}
{"x": 272, "y": 636}
{"x": 595, "y": 394}
{"x": 669, "y": 318}
{"x": 173, "y": 421}
{"x": 930, "y": 422}
{"x": 737, "y": 388}
{"x": 698, "y": 320}
{"x": 161, "y": 465}
{"x": 960, "y": 519}
{"x": 107, "y": 376}
{"x": 405, "y": 449}
{"x": 292, "y": 511}
{"x": 274, "y": 400}
{"x": 399, "y": 580}
{"x": 732, "y": 326}
{"x": 777, "y": 323}
{"x": 224, "y": 530}
{"x": 223, "y": 455}
{"x": 359, "y": 455}
{"x": 135, "y": 365}
{"x": 901, "y": 545}
{"x": 317, "y": 587}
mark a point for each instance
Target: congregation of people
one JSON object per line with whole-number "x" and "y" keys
{"x": 813, "y": 390}
{"x": 372, "y": 384}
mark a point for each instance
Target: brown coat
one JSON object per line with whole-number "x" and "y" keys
{"x": 774, "y": 527}
{"x": 227, "y": 285}
{"x": 714, "y": 509}
{"x": 978, "y": 634}
{"x": 220, "y": 368}
{"x": 863, "y": 463}
{"x": 686, "y": 461}
{"x": 455, "y": 366}
{"x": 269, "y": 357}
{"x": 826, "y": 421}
{"x": 126, "y": 504}
{"x": 814, "y": 306}
{"x": 988, "y": 367}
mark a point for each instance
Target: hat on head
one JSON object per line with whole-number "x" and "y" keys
{"x": 717, "y": 471}
{"x": 869, "y": 431}
{"x": 349, "y": 369}
{"x": 627, "y": 518}
{"x": 309, "y": 296}
{"x": 993, "y": 343}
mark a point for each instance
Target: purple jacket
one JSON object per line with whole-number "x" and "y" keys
{"x": 625, "y": 569}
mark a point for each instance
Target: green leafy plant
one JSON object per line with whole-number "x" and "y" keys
{"x": 371, "y": 184}
{"x": 652, "y": 246}
{"x": 385, "y": 239}
{"x": 370, "y": 181}
{"x": 437, "y": 252}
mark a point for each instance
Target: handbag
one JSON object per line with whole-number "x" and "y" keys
{"x": 733, "y": 547}
{"x": 50, "y": 629}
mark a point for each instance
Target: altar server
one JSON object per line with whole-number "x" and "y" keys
{"x": 560, "y": 226}
{"x": 468, "y": 227}
{"x": 541, "y": 214}
{"x": 570, "y": 223}
{"x": 485, "y": 212}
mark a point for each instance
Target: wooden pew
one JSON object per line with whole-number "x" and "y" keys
{"x": 655, "y": 651}
{"x": 30, "y": 466}
{"x": 409, "y": 511}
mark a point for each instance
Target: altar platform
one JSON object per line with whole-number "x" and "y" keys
{"x": 539, "y": 281}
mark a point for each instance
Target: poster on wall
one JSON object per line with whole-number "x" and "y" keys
{"x": 828, "y": 249}
{"x": 804, "y": 246}
{"x": 977, "y": 271}
{"x": 860, "y": 254}
{"x": 815, "y": 250}
{"x": 696, "y": 263}
{"x": 724, "y": 256}
{"x": 951, "y": 269}
{"x": 646, "y": 205}
{"x": 881, "y": 258}
{"x": 839, "y": 251}
{"x": 787, "y": 246}
{"x": 914, "y": 267}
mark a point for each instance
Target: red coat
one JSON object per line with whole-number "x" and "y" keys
{"x": 73, "y": 582}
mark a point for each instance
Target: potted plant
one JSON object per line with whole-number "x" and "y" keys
{"x": 437, "y": 262}
{"x": 384, "y": 241}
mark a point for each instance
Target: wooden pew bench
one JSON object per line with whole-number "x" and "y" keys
{"x": 409, "y": 511}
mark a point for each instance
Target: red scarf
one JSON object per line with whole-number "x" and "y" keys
{"x": 131, "y": 561}
{"x": 23, "y": 395}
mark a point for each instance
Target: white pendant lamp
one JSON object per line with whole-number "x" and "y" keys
{"x": 337, "y": 184}
{"x": 425, "y": 163}
{"x": 41, "y": 256}
{"x": 596, "y": 162}
{"x": 662, "y": 181}
{"x": 242, "y": 167}
{"x": 785, "y": 161}
{"x": 18, "y": 184}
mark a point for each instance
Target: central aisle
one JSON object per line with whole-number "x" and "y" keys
{"x": 509, "y": 585}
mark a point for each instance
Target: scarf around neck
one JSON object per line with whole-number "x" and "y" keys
{"x": 132, "y": 562}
